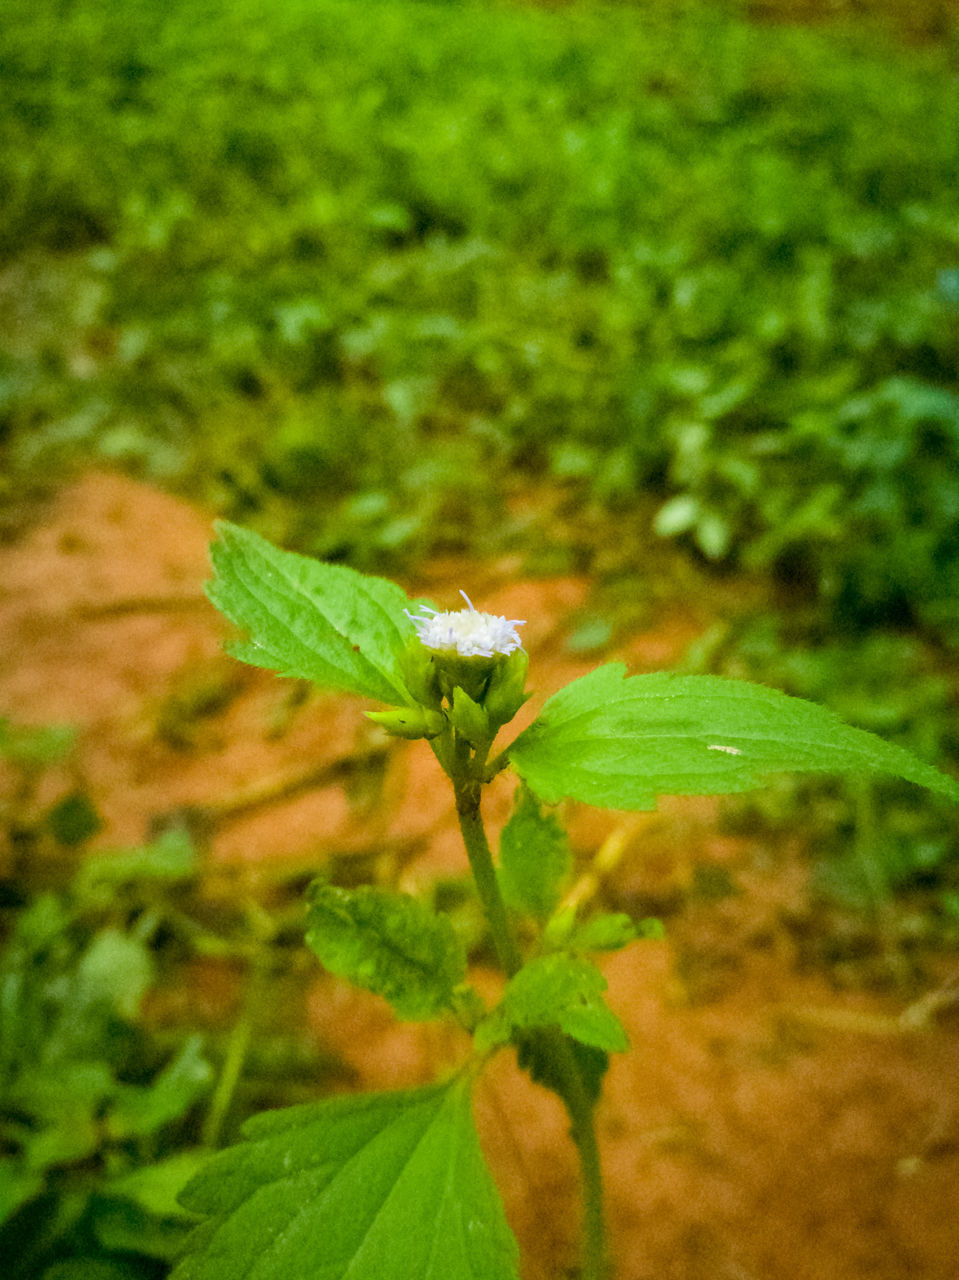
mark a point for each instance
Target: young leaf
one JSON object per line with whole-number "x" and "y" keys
{"x": 619, "y": 743}
{"x": 556, "y": 990}
{"x": 388, "y": 943}
{"x": 321, "y": 622}
{"x": 383, "y": 1186}
{"x": 534, "y": 858}
{"x": 604, "y": 933}
{"x": 601, "y": 933}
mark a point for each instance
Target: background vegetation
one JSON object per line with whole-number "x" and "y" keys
{"x": 349, "y": 270}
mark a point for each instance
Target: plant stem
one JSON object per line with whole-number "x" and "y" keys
{"x": 230, "y": 1072}
{"x": 556, "y": 1047}
{"x": 484, "y": 873}
{"x": 580, "y": 1109}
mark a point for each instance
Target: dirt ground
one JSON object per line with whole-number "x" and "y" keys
{"x": 766, "y": 1125}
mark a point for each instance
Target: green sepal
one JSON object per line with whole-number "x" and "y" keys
{"x": 381, "y": 1186}
{"x": 470, "y": 673}
{"x": 469, "y": 719}
{"x": 390, "y": 944}
{"x": 506, "y": 691}
{"x": 420, "y": 675}
{"x": 409, "y": 722}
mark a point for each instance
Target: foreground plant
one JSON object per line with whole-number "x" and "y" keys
{"x": 393, "y": 1186}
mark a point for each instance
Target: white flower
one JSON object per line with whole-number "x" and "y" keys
{"x": 468, "y": 632}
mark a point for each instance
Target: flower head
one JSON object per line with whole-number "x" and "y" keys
{"x": 468, "y": 633}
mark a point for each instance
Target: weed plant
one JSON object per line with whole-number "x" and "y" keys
{"x": 393, "y": 1186}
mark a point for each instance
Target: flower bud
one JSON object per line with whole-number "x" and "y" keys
{"x": 467, "y": 649}
{"x": 410, "y": 722}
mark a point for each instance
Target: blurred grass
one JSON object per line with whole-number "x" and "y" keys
{"x": 353, "y": 273}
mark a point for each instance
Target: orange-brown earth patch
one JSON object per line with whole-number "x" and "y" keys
{"x": 764, "y": 1127}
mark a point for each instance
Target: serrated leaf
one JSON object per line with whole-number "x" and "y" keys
{"x": 620, "y": 743}
{"x": 383, "y": 1186}
{"x": 534, "y": 858}
{"x": 320, "y": 622}
{"x": 388, "y": 943}
{"x": 556, "y": 990}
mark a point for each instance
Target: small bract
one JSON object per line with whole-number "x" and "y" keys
{"x": 467, "y": 632}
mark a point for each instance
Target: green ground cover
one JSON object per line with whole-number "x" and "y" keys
{"x": 347, "y": 270}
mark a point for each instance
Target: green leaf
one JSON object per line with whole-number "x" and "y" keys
{"x": 121, "y": 1227}
{"x": 383, "y": 1186}
{"x": 18, "y": 1184}
{"x": 32, "y": 748}
{"x": 555, "y": 990}
{"x": 170, "y": 857}
{"x": 62, "y": 1144}
{"x": 604, "y": 933}
{"x": 156, "y": 1188}
{"x": 535, "y": 1054}
{"x": 64, "y": 1094}
{"x": 620, "y": 743}
{"x": 93, "y": 1269}
{"x": 534, "y": 858}
{"x": 321, "y": 622}
{"x": 74, "y": 819}
{"x": 116, "y": 969}
{"x": 143, "y": 1109}
{"x": 388, "y": 943}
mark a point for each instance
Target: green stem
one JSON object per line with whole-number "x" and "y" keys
{"x": 580, "y": 1109}
{"x": 484, "y": 873}
{"x": 465, "y": 775}
{"x": 230, "y": 1072}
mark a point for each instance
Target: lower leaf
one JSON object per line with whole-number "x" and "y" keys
{"x": 386, "y": 1186}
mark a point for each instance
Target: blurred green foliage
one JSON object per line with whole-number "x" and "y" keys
{"x": 344, "y": 270}
{"x": 871, "y": 843}
{"x": 88, "y": 1097}
{"x": 106, "y": 1108}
